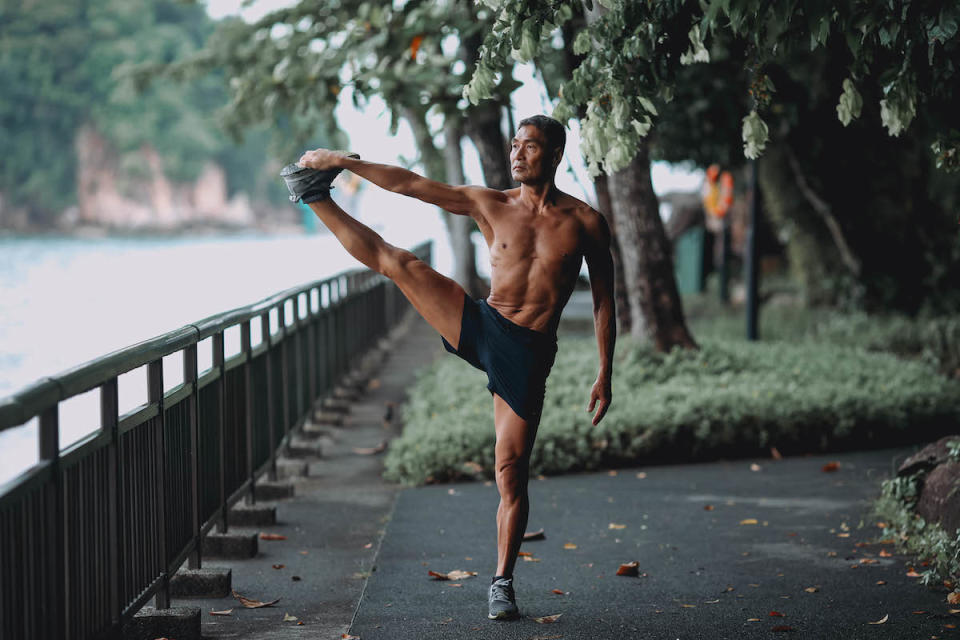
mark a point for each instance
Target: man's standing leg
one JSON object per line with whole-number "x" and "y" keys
{"x": 514, "y": 443}
{"x": 435, "y": 297}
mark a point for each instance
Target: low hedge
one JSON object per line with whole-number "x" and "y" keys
{"x": 730, "y": 398}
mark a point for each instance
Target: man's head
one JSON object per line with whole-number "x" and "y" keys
{"x": 536, "y": 149}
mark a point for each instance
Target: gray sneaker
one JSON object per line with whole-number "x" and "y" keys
{"x": 503, "y": 602}
{"x": 310, "y": 185}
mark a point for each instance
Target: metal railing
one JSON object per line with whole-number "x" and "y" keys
{"x": 90, "y": 533}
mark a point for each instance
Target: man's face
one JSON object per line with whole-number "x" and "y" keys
{"x": 530, "y": 160}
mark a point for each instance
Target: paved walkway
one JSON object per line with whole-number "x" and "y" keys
{"x": 706, "y": 570}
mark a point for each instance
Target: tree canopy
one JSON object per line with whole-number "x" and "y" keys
{"x": 634, "y": 53}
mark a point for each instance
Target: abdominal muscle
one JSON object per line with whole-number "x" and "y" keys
{"x": 529, "y": 293}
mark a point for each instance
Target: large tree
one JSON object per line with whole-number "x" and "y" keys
{"x": 891, "y": 60}
{"x": 415, "y": 56}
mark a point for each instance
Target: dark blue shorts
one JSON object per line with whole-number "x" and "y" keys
{"x": 516, "y": 359}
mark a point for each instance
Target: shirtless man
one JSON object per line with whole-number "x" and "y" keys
{"x": 537, "y": 236}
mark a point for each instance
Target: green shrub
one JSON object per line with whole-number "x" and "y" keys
{"x": 729, "y": 398}
{"x": 912, "y": 534}
{"x": 936, "y": 339}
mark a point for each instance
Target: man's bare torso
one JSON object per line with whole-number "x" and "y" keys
{"x": 535, "y": 256}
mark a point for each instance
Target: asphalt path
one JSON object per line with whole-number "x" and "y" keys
{"x": 729, "y": 549}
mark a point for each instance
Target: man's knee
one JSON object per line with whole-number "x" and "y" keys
{"x": 512, "y": 474}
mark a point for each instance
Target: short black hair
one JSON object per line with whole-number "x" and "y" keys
{"x": 551, "y": 129}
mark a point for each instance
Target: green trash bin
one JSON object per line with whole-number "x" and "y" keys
{"x": 688, "y": 260}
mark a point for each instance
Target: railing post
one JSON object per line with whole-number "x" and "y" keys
{"x": 248, "y": 404}
{"x": 155, "y": 396}
{"x": 311, "y": 351}
{"x": 218, "y": 359}
{"x": 270, "y": 390}
{"x": 109, "y": 418}
{"x": 297, "y": 363}
{"x": 49, "y": 449}
{"x": 190, "y": 379}
{"x": 284, "y": 347}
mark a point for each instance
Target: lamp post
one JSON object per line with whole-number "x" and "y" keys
{"x": 750, "y": 264}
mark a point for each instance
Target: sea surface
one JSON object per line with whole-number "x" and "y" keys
{"x": 68, "y": 300}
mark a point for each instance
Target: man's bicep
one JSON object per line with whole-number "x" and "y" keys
{"x": 598, "y": 256}
{"x": 458, "y": 200}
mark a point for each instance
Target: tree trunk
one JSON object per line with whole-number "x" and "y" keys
{"x": 460, "y": 227}
{"x": 647, "y": 257}
{"x": 602, "y": 186}
{"x": 440, "y": 166}
{"x": 483, "y": 128}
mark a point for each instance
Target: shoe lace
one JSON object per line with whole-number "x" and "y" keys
{"x": 502, "y": 591}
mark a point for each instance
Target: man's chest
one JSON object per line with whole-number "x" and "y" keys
{"x": 551, "y": 242}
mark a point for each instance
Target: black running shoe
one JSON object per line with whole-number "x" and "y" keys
{"x": 503, "y": 602}
{"x": 309, "y": 185}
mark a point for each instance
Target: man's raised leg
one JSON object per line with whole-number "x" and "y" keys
{"x": 436, "y": 297}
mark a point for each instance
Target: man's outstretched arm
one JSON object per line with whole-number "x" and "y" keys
{"x": 600, "y": 266}
{"x": 457, "y": 200}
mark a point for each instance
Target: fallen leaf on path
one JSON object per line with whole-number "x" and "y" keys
{"x": 368, "y": 545}
{"x": 782, "y": 627}
{"x": 530, "y": 559}
{"x": 918, "y": 613}
{"x": 557, "y": 591}
{"x": 347, "y": 636}
{"x": 708, "y": 507}
{"x": 569, "y": 545}
{"x": 629, "y": 569}
{"x": 456, "y": 574}
{"x": 369, "y": 451}
{"x": 812, "y": 589}
{"x": 289, "y": 618}
{"x": 776, "y": 614}
{"x": 279, "y": 566}
{"x": 881, "y": 582}
{"x": 753, "y": 619}
{"x": 755, "y": 467}
{"x": 953, "y": 598}
{"x": 830, "y": 467}
{"x": 712, "y": 601}
{"x": 953, "y": 611}
{"x": 454, "y": 584}
{"x": 912, "y": 574}
{"x": 548, "y": 619}
{"x": 642, "y": 475}
{"x": 749, "y": 521}
{"x": 843, "y": 535}
{"x": 272, "y": 536}
{"x": 534, "y": 535}
{"x": 225, "y": 612}
{"x": 868, "y": 561}
{"x": 374, "y": 383}
{"x": 949, "y": 626}
{"x": 689, "y": 606}
{"x": 775, "y": 454}
{"x": 611, "y": 473}
{"x": 524, "y": 553}
{"x": 250, "y": 603}
{"x": 884, "y": 553}
{"x": 614, "y": 525}
{"x": 881, "y": 620}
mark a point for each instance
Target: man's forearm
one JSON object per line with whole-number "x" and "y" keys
{"x": 389, "y": 177}
{"x": 605, "y": 325}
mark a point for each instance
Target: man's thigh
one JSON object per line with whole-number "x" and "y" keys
{"x": 515, "y": 435}
{"x": 435, "y": 297}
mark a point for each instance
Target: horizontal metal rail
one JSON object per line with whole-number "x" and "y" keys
{"x": 92, "y": 532}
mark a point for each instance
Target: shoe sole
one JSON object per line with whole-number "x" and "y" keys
{"x": 504, "y": 616}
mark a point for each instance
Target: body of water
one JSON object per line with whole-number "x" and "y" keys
{"x": 67, "y": 300}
